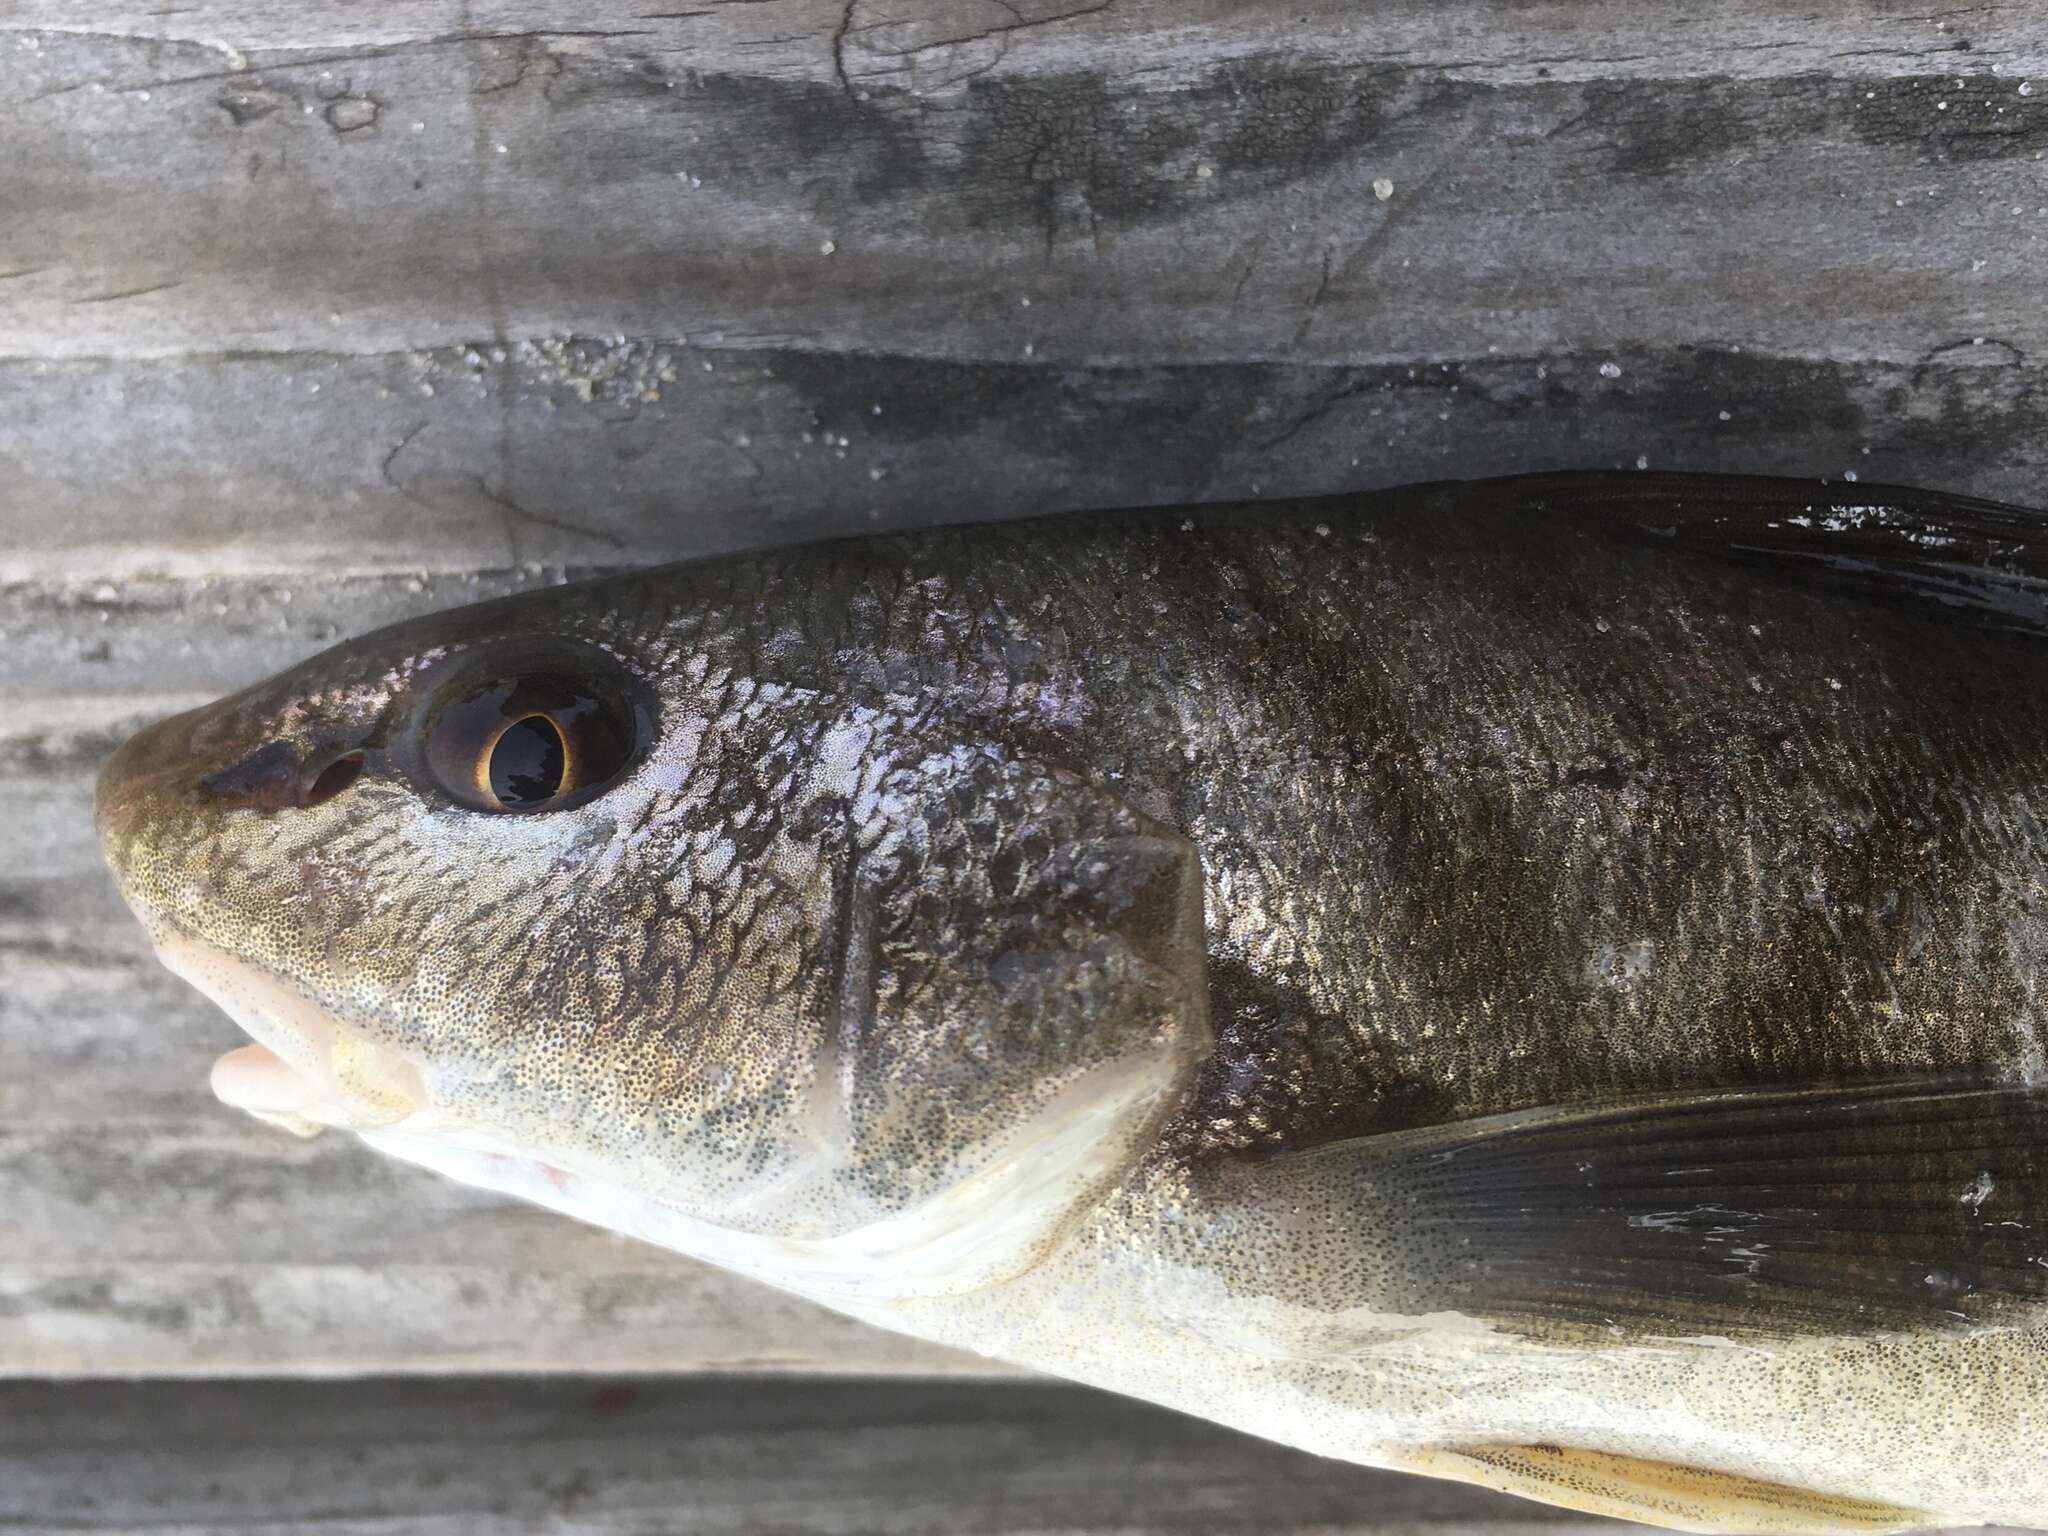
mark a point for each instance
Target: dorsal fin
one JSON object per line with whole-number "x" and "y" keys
{"x": 1959, "y": 556}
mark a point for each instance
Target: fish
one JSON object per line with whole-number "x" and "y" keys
{"x": 1535, "y": 982}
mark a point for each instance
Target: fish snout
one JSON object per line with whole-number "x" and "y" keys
{"x": 148, "y": 780}
{"x": 197, "y": 759}
{"x": 187, "y": 811}
{"x": 174, "y": 783}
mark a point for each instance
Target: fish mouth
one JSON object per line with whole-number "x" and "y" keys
{"x": 1027, "y": 1191}
{"x": 304, "y": 1071}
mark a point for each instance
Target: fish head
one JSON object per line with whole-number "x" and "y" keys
{"x": 610, "y": 897}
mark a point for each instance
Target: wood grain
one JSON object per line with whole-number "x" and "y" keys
{"x": 714, "y": 1457}
{"x": 711, "y": 1457}
{"x": 218, "y": 467}
{"x": 452, "y": 286}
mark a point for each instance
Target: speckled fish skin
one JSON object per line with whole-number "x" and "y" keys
{"x": 1104, "y": 942}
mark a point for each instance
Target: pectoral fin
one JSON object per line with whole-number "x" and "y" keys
{"x": 1658, "y": 1493}
{"x": 1830, "y": 1211}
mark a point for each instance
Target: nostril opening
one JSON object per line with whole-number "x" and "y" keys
{"x": 332, "y": 780}
{"x": 265, "y": 780}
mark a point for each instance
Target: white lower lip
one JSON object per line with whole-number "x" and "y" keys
{"x": 304, "y": 1072}
{"x": 259, "y": 1080}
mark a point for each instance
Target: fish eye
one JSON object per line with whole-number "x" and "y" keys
{"x": 534, "y": 741}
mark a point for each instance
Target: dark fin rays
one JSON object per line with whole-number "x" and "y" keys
{"x": 1903, "y": 1206}
{"x": 1961, "y": 558}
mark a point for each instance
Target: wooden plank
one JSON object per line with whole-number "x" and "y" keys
{"x": 1567, "y": 39}
{"x": 799, "y": 1458}
{"x": 235, "y": 268}
{"x": 226, "y": 179}
{"x": 235, "y": 467}
{"x": 808, "y": 1458}
{"x": 547, "y": 191}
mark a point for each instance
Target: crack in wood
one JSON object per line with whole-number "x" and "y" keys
{"x": 127, "y": 293}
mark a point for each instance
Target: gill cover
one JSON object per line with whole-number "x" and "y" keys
{"x": 1011, "y": 996}
{"x": 1010, "y": 999}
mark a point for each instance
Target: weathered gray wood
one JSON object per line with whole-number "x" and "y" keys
{"x": 714, "y": 1458}
{"x": 233, "y": 266}
{"x": 626, "y": 173}
{"x": 931, "y": 41}
{"x": 234, "y": 465}
{"x": 711, "y": 1457}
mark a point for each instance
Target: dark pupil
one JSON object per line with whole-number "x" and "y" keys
{"x": 528, "y": 762}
